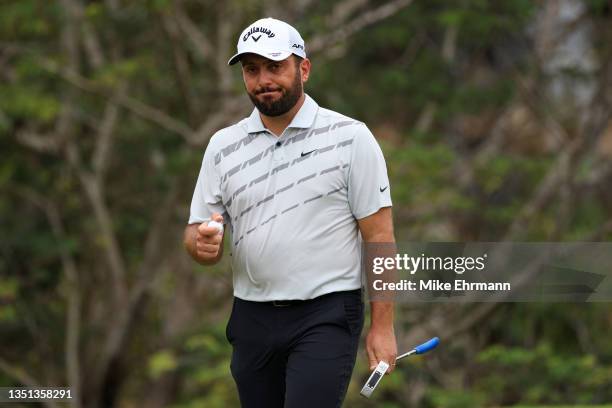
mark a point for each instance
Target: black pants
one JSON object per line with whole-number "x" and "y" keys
{"x": 299, "y": 355}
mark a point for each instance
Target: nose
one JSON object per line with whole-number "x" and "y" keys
{"x": 265, "y": 79}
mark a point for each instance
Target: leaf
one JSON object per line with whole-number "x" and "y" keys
{"x": 162, "y": 362}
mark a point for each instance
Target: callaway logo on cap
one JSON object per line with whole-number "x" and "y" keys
{"x": 270, "y": 38}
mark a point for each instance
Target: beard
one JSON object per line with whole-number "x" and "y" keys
{"x": 282, "y": 105}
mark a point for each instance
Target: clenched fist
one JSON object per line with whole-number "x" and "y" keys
{"x": 204, "y": 242}
{"x": 208, "y": 239}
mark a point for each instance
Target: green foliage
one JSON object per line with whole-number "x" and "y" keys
{"x": 205, "y": 364}
{"x": 456, "y": 399}
{"x": 403, "y": 58}
{"x": 420, "y": 173}
{"x": 386, "y": 75}
{"x": 560, "y": 377}
{"x": 23, "y": 102}
{"x": 477, "y": 98}
{"x": 161, "y": 362}
{"x": 8, "y": 292}
{"x": 26, "y": 19}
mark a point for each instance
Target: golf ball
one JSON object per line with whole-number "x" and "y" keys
{"x": 217, "y": 225}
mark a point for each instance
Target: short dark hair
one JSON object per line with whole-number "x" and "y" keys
{"x": 298, "y": 60}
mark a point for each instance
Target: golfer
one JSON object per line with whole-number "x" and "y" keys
{"x": 295, "y": 186}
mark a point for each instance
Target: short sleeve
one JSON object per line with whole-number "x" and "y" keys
{"x": 368, "y": 182}
{"x": 207, "y": 197}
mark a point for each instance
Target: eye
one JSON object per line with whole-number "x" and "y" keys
{"x": 250, "y": 69}
{"x": 275, "y": 66}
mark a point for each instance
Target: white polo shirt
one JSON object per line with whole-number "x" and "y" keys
{"x": 291, "y": 202}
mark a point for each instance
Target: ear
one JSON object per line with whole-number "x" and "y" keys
{"x": 305, "y": 69}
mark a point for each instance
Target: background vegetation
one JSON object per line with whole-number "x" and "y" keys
{"x": 495, "y": 118}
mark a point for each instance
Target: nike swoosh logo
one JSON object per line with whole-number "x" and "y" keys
{"x": 256, "y": 38}
{"x": 383, "y": 189}
{"x": 307, "y": 153}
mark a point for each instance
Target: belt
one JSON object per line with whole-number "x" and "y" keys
{"x": 285, "y": 303}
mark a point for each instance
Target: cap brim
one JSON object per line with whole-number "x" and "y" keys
{"x": 273, "y": 55}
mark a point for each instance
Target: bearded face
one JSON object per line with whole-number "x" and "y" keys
{"x": 274, "y": 87}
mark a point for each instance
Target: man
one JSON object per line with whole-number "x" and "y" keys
{"x": 296, "y": 184}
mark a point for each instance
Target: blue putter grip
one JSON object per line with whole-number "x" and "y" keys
{"x": 428, "y": 345}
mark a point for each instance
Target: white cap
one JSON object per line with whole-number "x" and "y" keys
{"x": 270, "y": 38}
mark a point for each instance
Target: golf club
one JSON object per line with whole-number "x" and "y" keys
{"x": 382, "y": 366}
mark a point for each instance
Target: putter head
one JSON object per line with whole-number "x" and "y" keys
{"x": 374, "y": 379}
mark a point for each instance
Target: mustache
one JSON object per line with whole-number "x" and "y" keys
{"x": 264, "y": 90}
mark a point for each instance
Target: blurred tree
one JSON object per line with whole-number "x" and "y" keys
{"x": 106, "y": 108}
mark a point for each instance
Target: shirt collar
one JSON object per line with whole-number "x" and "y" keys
{"x": 304, "y": 118}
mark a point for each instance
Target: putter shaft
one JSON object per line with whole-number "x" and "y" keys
{"x": 405, "y": 355}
